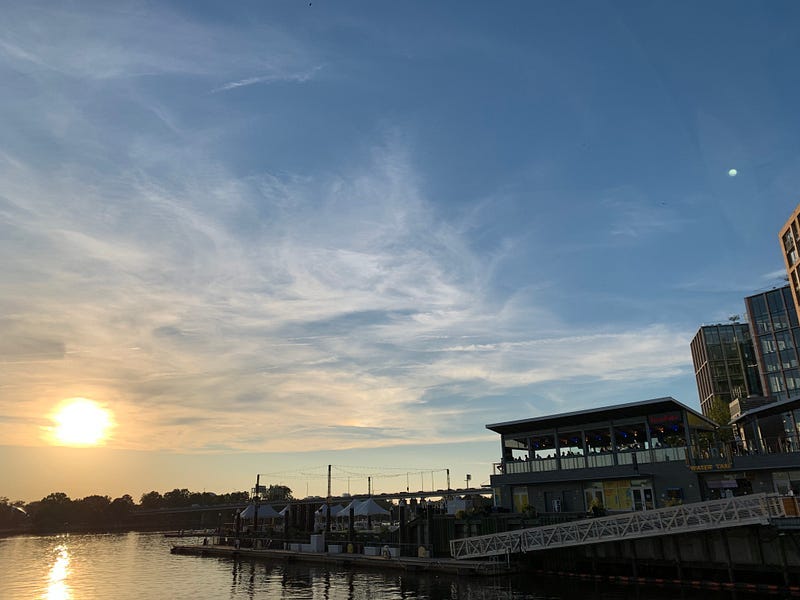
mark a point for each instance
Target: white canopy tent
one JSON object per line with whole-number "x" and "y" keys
{"x": 369, "y": 508}
{"x": 322, "y": 511}
{"x": 345, "y": 512}
{"x": 265, "y": 511}
{"x": 363, "y": 508}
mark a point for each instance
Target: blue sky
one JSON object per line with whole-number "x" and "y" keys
{"x": 274, "y": 235}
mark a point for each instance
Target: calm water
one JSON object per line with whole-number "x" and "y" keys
{"x": 139, "y": 565}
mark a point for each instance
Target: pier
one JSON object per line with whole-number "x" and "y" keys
{"x": 341, "y": 559}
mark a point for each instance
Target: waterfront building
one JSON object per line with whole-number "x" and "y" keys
{"x": 640, "y": 456}
{"x": 789, "y": 237}
{"x": 724, "y": 364}
{"x": 768, "y": 438}
{"x": 776, "y": 335}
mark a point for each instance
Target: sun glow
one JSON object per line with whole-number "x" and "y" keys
{"x": 81, "y": 422}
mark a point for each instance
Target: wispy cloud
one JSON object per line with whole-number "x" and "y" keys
{"x": 291, "y": 77}
{"x": 99, "y": 44}
{"x": 346, "y": 304}
{"x": 149, "y": 270}
{"x": 777, "y": 274}
{"x": 634, "y": 215}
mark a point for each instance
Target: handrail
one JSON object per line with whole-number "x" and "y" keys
{"x": 712, "y": 514}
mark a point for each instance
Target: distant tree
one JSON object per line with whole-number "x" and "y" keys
{"x": 151, "y": 500}
{"x": 719, "y": 411}
{"x": 177, "y": 498}
{"x": 11, "y": 514}
{"x": 234, "y": 497}
{"x": 121, "y": 509}
{"x": 278, "y": 493}
{"x": 57, "y": 498}
{"x": 91, "y": 511}
{"x": 52, "y": 513}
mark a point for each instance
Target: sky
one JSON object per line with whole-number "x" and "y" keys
{"x": 271, "y": 236}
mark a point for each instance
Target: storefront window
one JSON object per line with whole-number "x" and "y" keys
{"x": 611, "y": 495}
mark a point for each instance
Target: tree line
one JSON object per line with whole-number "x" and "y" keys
{"x": 58, "y": 512}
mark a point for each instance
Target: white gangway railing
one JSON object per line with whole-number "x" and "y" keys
{"x": 698, "y": 516}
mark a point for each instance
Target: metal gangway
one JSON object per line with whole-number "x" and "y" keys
{"x": 698, "y": 516}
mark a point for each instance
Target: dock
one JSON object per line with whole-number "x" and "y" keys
{"x": 338, "y": 559}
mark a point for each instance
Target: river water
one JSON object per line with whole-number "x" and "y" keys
{"x": 139, "y": 565}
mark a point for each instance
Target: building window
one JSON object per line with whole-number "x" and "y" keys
{"x": 758, "y": 306}
{"x": 520, "y": 495}
{"x": 763, "y": 325}
{"x": 784, "y": 340}
{"x": 775, "y": 384}
{"x": 792, "y": 379}
{"x": 771, "y": 362}
{"x": 788, "y": 359}
{"x": 780, "y": 320}
{"x": 788, "y": 241}
{"x": 775, "y": 301}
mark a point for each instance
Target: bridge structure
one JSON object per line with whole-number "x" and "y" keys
{"x": 698, "y": 516}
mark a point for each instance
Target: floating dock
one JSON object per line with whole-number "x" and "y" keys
{"x": 402, "y": 563}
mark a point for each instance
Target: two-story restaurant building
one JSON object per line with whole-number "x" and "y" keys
{"x": 634, "y": 456}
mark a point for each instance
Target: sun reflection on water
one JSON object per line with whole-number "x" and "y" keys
{"x": 57, "y": 588}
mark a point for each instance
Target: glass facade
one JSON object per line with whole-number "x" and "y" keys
{"x": 725, "y": 363}
{"x": 776, "y": 334}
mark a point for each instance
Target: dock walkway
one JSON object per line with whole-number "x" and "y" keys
{"x": 404, "y": 563}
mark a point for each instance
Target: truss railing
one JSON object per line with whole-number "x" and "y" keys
{"x": 698, "y": 516}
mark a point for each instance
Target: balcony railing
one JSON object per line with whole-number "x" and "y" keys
{"x": 784, "y": 444}
{"x": 602, "y": 459}
{"x": 531, "y": 466}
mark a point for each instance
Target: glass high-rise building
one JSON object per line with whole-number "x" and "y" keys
{"x": 724, "y": 364}
{"x": 776, "y": 333}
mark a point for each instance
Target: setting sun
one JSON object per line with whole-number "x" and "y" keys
{"x": 81, "y": 422}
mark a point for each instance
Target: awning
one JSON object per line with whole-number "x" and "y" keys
{"x": 722, "y": 483}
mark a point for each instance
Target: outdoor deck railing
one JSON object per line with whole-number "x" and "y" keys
{"x": 593, "y": 460}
